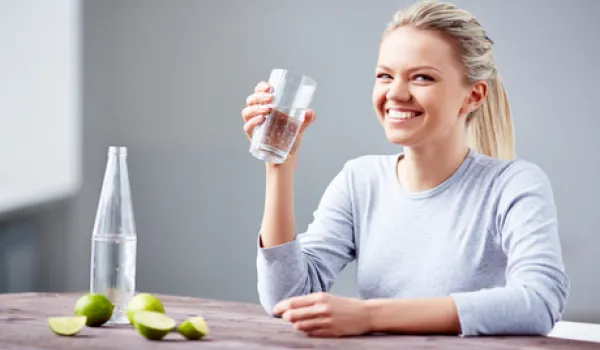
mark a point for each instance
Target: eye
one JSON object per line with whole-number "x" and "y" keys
{"x": 384, "y": 76}
{"x": 423, "y": 77}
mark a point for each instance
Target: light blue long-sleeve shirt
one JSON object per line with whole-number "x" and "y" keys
{"x": 487, "y": 236}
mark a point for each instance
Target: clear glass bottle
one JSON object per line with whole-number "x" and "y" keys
{"x": 114, "y": 239}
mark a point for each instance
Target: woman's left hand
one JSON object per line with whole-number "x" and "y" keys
{"x": 325, "y": 315}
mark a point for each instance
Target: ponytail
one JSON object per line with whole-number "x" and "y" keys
{"x": 490, "y": 128}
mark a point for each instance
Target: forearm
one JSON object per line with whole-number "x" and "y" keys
{"x": 527, "y": 309}
{"x": 290, "y": 266}
{"x": 283, "y": 271}
{"x": 413, "y": 316}
{"x": 512, "y": 310}
{"x": 278, "y": 223}
{"x": 281, "y": 266}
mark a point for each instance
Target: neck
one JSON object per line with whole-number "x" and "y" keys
{"x": 423, "y": 168}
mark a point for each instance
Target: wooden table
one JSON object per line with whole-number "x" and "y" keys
{"x": 233, "y": 326}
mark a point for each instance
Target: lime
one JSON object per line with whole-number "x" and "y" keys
{"x": 66, "y": 325}
{"x": 96, "y": 307}
{"x": 143, "y": 302}
{"x": 153, "y": 325}
{"x": 194, "y": 328}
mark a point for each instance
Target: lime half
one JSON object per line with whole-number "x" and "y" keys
{"x": 153, "y": 325}
{"x": 194, "y": 328}
{"x": 66, "y": 325}
{"x": 144, "y": 302}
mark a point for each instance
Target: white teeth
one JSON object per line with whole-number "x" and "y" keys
{"x": 392, "y": 113}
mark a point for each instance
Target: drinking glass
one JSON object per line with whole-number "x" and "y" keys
{"x": 292, "y": 95}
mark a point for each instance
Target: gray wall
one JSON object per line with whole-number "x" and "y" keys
{"x": 168, "y": 80}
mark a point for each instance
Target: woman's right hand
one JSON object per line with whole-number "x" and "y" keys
{"x": 258, "y": 106}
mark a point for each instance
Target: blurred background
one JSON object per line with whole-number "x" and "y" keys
{"x": 168, "y": 79}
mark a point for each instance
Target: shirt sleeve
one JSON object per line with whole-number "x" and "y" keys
{"x": 312, "y": 261}
{"x": 537, "y": 287}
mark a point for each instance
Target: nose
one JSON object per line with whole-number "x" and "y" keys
{"x": 398, "y": 91}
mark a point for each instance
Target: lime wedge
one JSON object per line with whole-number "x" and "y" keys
{"x": 153, "y": 325}
{"x": 194, "y": 328}
{"x": 66, "y": 325}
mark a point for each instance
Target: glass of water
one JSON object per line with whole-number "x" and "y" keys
{"x": 292, "y": 95}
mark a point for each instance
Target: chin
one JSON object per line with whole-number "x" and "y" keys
{"x": 400, "y": 138}
{"x": 400, "y": 134}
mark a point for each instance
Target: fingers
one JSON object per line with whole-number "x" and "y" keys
{"x": 253, "y": 123}
{"x": 292, "y": 303}
{"x": 259, "y": 98}
{"x": 258, "y": 106}
{"x": 313, "y": 325}
{"x": 309, "y": 118}
{"x": 256, "y": 103}
{"x": 306, "y": 313}
{"x": 263, "y": 86}
{"x": 253, "y": 111}
{"x": 298, "y": 302}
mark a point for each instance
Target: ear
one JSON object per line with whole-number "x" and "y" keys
{"x": 477, "y": 94}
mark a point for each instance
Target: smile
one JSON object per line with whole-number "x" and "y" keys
{"x": 401, "y": 115}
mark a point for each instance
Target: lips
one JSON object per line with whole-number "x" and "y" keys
{"x": 402, "y": 114}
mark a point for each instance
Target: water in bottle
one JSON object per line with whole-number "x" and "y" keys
{"x": 114, "y": 238}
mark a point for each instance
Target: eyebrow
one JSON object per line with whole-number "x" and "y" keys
{"x": 412, "y": 69}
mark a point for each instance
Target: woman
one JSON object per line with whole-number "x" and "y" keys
{"x": 452, "y": 236}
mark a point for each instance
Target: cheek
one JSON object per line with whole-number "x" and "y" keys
{"x": 440, "y": 103}
{"x": 378, "y": 97}
{"x": 430, "y": 100}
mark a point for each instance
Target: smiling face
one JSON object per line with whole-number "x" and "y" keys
{"x": 420, "y": 94}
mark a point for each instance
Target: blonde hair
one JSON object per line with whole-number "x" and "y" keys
{"x": 489, "y": 127}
